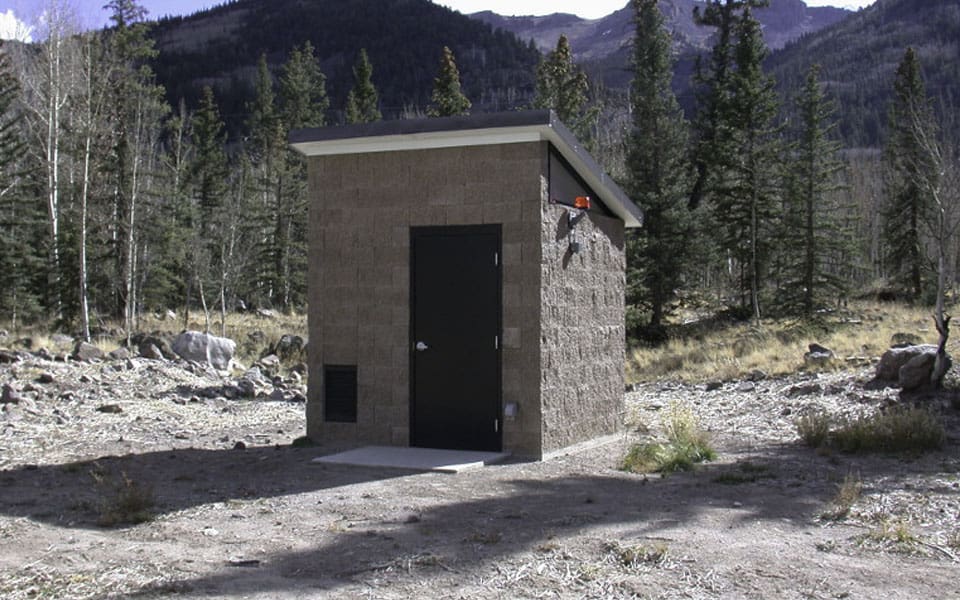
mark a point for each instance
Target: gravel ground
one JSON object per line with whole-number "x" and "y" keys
{"x": 237, "y": 512}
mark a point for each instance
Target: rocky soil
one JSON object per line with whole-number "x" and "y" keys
{"x": 233, "y": 510}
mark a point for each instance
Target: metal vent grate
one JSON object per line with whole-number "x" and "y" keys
{"x": 340, "y": 393}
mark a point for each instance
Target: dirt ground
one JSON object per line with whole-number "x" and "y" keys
{"x": 258, "y": 520}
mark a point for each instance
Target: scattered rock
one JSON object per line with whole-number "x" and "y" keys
{"x": 205, "y": 348}
{"x": 277, "y": 395}
{"x": 121, "y": 353}
{"x": 270, "y": 362}
{"x": 786, "y": 412}
{"x": 714, "y": 385}
{"x": 888, "y": 369}
{"x": 257, "y": 336}
{"x": 86, "y": 352}
{"x": 803, "y": 389}
{"x": 151, "y": 352}
{"x": 746, "y": 386}
{"x": 10, "y": 395}
{"x": 112, "y": 409}
{"x": 266, "y": 313}
{"x": 45, "y": 377}
{"x": 43, "y": 354}
{"x": 239, "y": 446}
{"x": 288, "y": 346}
{"x": 246, "y": 388}
{"x": 756, "y": 375}
{"x": 7, "y": 357}
{"x": 817, "y": 355}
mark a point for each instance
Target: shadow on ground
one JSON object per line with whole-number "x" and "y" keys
{"x": 459, "y": 519}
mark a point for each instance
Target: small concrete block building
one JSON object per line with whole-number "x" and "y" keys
{"x": 466, "y": 285}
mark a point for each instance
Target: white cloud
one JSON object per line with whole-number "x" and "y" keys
{"x": 12, "y": 28}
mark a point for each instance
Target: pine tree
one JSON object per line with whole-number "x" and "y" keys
{"x": 303, "y": 103}
{"x": 447, "y": 99}
{"x": 906, "y": 168}
{"x": 660, "y": 252}
{"x": 20, "y": 222}
{"x": 138, "y": 109}
{"x": 208, "y": 177}
{"x": 747, "y": 188}
{"x": 815, "y": 245}
{"x": 303, "y": 90}
{"x": 563, "y": 87}
{"x": 712, "y": 83}
{"x": 363, "y": 100}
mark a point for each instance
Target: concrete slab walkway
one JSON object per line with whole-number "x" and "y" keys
{"x": 416, "y": 459}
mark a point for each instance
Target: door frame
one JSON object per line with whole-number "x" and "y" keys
{"x": 455, "y": 230}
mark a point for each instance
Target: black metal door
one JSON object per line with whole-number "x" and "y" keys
{"x": 455, "y": 346}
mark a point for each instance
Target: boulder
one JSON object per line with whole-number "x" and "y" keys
{"x": 915, "y": 373}
{"x": 150, "y": 351}
{"x": 87, "y": 352}
{"x": 120, "y": 353}
{"x": 817, "y": 355}
{"x": 10, "y": 395}
{"x": 288, "y": 346}
{"x": 205, "y": 348}
{"x": 160, "y": 341}
{"x": 888, "y": 369}
{"x": 8, "y": 357}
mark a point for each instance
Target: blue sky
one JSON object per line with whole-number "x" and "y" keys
{"x": 18, "y": 14}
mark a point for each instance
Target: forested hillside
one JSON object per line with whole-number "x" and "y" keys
{"x": 403, "y": 39}
{"x": 859, "y": 56}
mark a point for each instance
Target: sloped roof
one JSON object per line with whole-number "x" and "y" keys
{"x": 470, "y": 130}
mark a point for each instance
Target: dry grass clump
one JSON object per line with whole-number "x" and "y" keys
{"x": 895, "y": 430}
{"x": 122, "y": 501}
{"x": 814, "y": 428}
{"x": 686, "y": 445}
{"x": 727, "y": 350}
{"x": 633, "y": 556}
{"x": 848, "y": 492}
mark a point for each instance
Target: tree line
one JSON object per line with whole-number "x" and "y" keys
{"x": 113, "y": 203}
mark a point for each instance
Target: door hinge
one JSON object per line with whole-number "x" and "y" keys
{"x": 496, "y": 259}
{"x": 496, "y": 342}
{"x": 496, "y": 425}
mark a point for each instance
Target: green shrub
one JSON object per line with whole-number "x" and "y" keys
{"x": 686, "y": 445}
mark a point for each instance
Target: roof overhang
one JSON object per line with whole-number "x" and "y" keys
{"x": 472, "y": 130}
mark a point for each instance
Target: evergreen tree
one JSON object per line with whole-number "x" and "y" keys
{"x": 303, "y": 102}
{"x": 137, "y": 112}
{"x": 658, "y": 172}
{"x": 363, "y": 100}
{"x": 747, "y": 188}
{"x": 563, "y": 87}
{"x": 907, "y": 166}
{"x": 21, "y": 224}
{"x": 713, "y": 94}
{"x": 303, "y": 90}
{"x": 815, "y": 244}
{"x": 447, "y": 99}
{"x": 209, "y": 177}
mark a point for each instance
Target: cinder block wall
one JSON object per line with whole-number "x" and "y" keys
{"x": 362, "y": 208}
{"x": 582, "y": 328}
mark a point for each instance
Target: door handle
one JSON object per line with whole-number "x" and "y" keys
{"x": 421, "y": 347}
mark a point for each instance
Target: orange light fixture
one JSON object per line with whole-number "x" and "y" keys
{"x": 582, "y": 202}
